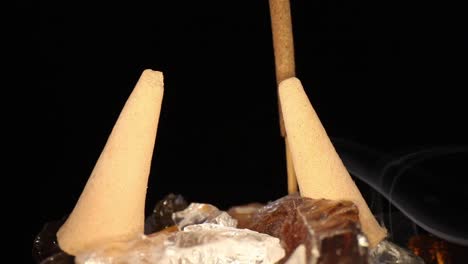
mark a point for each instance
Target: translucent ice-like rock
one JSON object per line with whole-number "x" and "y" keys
{"x": 142, "y": 250}
{"x": 216, "y": 244}
{"x": 329, "y": 230}
{"x": 198, "y": 213}
{"x": 203, "y": 243}
{"x": 388, "y": 253}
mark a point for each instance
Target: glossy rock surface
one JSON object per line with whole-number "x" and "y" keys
{"x": 329, "y": 230}
{"x": 45, "y": 247}
{"x": 388, "y": 253}
{"x": 199, "y": 213}
{"x": 142, "y": 250}
{"x": 203, "y": 243}
{"x": 216, "y": 244}
{"x": 292, "y": 230}
{"x": 161, "y": 216}
{"x": 244, "y": 213}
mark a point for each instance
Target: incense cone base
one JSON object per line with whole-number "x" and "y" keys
{"x": 111, "y": 206}
{"x": 319, "y": 170}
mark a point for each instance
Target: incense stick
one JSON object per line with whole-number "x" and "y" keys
{"x": 283, "y": 45}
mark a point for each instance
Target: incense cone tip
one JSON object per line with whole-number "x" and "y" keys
{"x": 154, "y": 78}
{"x": 293, "y": 81}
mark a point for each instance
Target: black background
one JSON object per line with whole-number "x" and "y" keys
{"x": 390, "y": 75}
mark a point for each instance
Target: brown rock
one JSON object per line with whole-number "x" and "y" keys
{"x": 330, "y": 230}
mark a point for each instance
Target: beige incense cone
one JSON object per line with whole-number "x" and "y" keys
{"x": 111, "y": 206}
{"x": 319, "y": 170}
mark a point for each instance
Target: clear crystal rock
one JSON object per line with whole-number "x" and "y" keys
{"x": 198, "y": 213}
{"x": 291, "y": 230}
{"x": 387, "y": 252}
{"x": 203, "y": 243}
{"x": 141, "y": 250}
{"x": 216, "y": 244}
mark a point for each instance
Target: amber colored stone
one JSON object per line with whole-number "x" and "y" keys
{"x": 330, "y": 230}
{"x": 244, "y": 213}
{"x": 434, "y": 250}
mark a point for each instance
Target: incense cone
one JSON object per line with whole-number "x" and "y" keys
{"x": 111, "y": 206}
{"x": 320, "y": 171}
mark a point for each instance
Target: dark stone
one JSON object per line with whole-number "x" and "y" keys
{"x": 161, "y": 216}
{"x": 59, "y": 258}
{"x": 45, "y": 247}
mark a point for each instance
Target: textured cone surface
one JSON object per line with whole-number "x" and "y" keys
{"x": 320, "y": 171}
{"x": 111, "y": 206}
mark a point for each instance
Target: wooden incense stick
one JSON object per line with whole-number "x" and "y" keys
{"x": 283, "y": 45}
